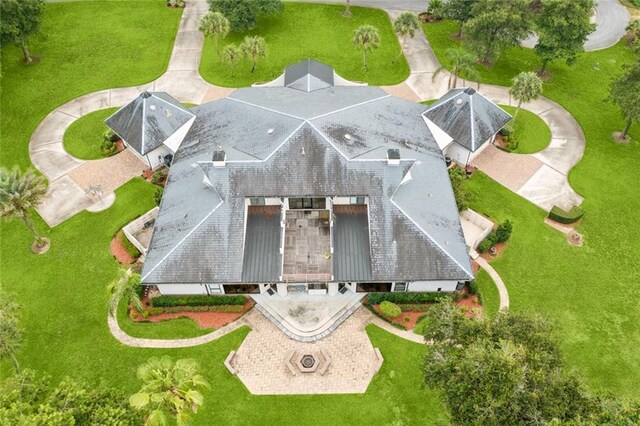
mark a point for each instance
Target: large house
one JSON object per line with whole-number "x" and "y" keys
{"x": 309, "y": 183}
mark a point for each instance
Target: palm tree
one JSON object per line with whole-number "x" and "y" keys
{"x": 10, "y": 331}
{"x": 126, "y": 285}
{"x": 366, "y": 37}
{"x": 255, "y": 48}
{"x": 526, "y": 87}
{"x": 406, "y": 26}
{"x": 347, "y": 9}
{"x": 214, "y": 24}
{"x": 462, "y": 62}
{"x": 168, "y": 388}
{"x": 19, "y": 193}
{"x": 231, "y": 54}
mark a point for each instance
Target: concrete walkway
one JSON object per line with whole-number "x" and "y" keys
{"x": 544, "y": 181}
{"x": 502, "y": 289}
{"x": 137, "y": 342}
{"x": 66, "y": 195}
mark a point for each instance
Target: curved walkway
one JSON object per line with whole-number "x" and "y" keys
{"x": 611, "y": 19}
{"x": 502, "y": 289}
{"x": 71, "y": 179}
{"x": 137, "y": 342}
{"x": 540, "y": 178}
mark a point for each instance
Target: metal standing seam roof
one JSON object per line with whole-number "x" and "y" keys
{"x": 468, "y": 117}
{"x": 414, "y": 229}
{"x": 352, "y": 252}
{"x": 149, "y": 120}
{"x": 262, "y": 259}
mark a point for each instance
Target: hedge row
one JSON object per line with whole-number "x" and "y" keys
{"x": 128, "y": 245}
{"x": 420, "y": 307}
{"x": 563, "y": 216}
{"x": 405, "y": 298}
{"x": 169, "y": 301}
{"x": 215, "y": 308}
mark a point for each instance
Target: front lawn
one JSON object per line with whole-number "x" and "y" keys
{"x": 84, "y": 137}
{"x": 532, "y": 134}
{"x": 590, "y": 290}
{"x": 312, "y": 31}
{"x": 89, "y": 46}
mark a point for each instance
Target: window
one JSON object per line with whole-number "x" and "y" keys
{"x": 400, "y": 287}
{"x": 356, "y": 200}
{"x": 241, "y": 288}
{"x": 214, "y": 289}
{"x": 256, "y": 201}
{"x": 308, "y": 203}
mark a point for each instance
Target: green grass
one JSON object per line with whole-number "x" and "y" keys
{"x": 489, "y": 292}
{"x": 312, "y": 31}
{"x": 88, "y": 46}
{"x": 178, "y": 328}
{"x": 84, "y": 137}
{"x": 531, "y": 132}
{"x": 589, "y": 291}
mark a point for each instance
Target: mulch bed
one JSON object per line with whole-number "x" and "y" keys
{"x": 203, "y": 319}
{"x": 500, "y": 247}
{"x": 409, "y": 319}
{"x": 120, "y": 253}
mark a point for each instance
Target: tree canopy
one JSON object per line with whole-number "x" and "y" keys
{"x": 562, "y": 27}
{"x": 508, "y": 370}
{"x": 26, "y": 399}
{"x": 243, "y": 15}
{"x": 19, "y": 20}
{"x": 625, "y": 92}
{"x": 215, "y": 25}
{"x": 459, "y": 10}
{"x": 10, "y": 330}
{"x": 526, "y": 87}
{"x": 254, "y": 48}
{"x": 495, "y": 25}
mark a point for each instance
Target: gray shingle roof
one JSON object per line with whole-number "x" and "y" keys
{"x": 275, "y": 148}
{"x": 468, "y": 117}
{"x": 147, "y": 121}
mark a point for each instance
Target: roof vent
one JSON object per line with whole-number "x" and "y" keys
{"x": 152, "y": 107}
{"x": 469, "y": 91}
{"x": 347, "y": 136}
{"x": 393, "y": 157}
{"x": 167, "y": 113}
{"x": 219, "y": 158}
{"x": 271, "y": 130}
{"x": 458, "y": 101}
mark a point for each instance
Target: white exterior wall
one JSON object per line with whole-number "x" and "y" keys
{"x": 152, "y": 157}
{"x": 181, "y": 289}
{"x": 432, "y": 285}
{"x": 458, "y": 153}
{"x": 173, "y": 142}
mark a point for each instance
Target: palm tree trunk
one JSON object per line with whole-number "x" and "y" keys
{"x": 626, "y": 129}
{"x": 253, "y": 68}
{"x": 544, "y": 67}
{"x": 27, "y": 221}
{"x": 25, "y": 52}
{"x": 364, "y": 58}
{"x": 16, "y": 366}
{"x": 460, "y": 30}
{"x": 515, "y": 114}
{"x": 347, "y": 9}
{"x": 449, "y": 82}
{"x": 455, "y": 79}
{"x": 215, "y": 39}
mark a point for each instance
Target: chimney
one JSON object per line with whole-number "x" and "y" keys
{"x": 393, "y": 157}
{"x": 219, "y": 158}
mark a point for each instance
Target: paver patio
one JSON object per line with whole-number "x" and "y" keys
{"x": 260, "y": 360}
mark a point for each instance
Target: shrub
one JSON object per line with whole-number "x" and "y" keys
{"x": 563, "y": 216}
{"x": 145, "y": 314}
{"x": 436, "y": 9}
{"x": 169, "y": 301}
{"x": 157, "y": 177}
{"x": 390, "y": 310}
{"x": 110, "y": 136}
{"x": 473, "y": 287}
{"x": 216, "y": 308}
{"x": 506, "y": 130}
{"x": 485, "y": 245}
{"x": 405, "y": 298}
{"x": 157, "y": 195}
{"x": 459, "y": 183}
{"x": 108, "y": 148}
{"x": 422, "y": 307}
{"x": 503, "y": 233}
{"x": 155, "y": 311}
{"x": 128, "y": 246}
